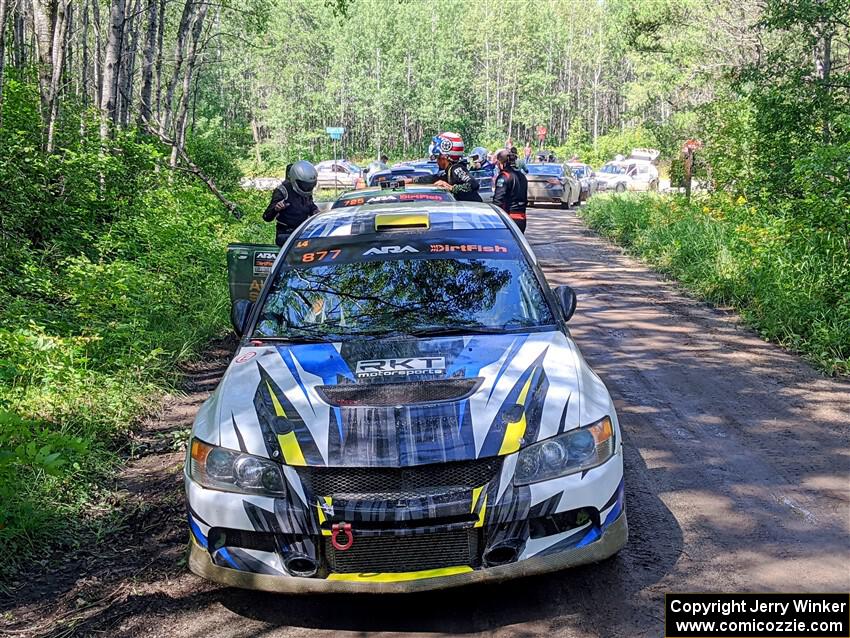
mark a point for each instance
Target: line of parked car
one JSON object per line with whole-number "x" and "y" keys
{"x": 553, "y": 182}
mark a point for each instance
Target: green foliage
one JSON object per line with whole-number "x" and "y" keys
{"x": 209, "y": 148}
{"x": 111, "y": 271}
{"x": 790, "y": 279}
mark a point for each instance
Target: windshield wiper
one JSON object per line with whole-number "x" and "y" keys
{"x": 439, "y": 331}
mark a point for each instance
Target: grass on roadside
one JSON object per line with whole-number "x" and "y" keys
{"x": 88, "y": 344}
{"x": 789, "y": 279}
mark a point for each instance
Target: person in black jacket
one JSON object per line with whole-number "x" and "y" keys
{"x": 454, "y": 176}
{"x": 511, "y": 188}
{"x": 292, "y": 202}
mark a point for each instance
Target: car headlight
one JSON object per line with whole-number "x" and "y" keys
{"x": 221, "y": 469}
{"x": 568, "y": 453}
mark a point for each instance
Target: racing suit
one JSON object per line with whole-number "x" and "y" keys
{"x": 464, "y": 186}
{"x": 296, "y": 210}
{"x": 511, "y": 194}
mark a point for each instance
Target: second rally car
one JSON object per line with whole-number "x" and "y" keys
{"x": 406, "y": 411}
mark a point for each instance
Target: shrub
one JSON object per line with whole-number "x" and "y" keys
{"x": 787, "y": 275}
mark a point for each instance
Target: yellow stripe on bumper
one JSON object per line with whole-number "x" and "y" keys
{"x": 397, "y": 577}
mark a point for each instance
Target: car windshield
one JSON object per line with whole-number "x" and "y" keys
{"x": 613, "y": 169}
{"x": 415, "y": 287}
{"x": 545, "y": 169}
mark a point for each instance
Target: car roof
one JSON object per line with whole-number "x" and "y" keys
{"x": 361, "y": 220}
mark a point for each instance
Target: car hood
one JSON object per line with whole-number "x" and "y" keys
{"x": 400, "y": 401}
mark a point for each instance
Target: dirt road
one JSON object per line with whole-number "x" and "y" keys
{"x": 737, "y": 478}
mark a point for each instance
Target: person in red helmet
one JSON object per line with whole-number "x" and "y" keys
{"x": 454, "y": 176}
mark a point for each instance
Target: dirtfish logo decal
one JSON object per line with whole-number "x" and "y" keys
{"x": 389, "y": 250}
{"x": 404, "y": 366}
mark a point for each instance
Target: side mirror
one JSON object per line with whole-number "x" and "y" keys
{"x": 239, "y": 312}
{"x": 566, "y": 297}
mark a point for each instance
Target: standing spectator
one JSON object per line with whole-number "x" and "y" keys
{"x": 292, "y": 201}
{"x": 511, "y": 190}
{"x": 527, "y": 153}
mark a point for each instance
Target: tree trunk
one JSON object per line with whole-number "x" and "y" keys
{"x": 110, "y": 67}
{"x": 61, "y": 43}
{"x": 19, "y": 56}
{"x": 3, "y": 9}
{"x": 179, "y": 52}
{"x": 160, "y": 31}
{"x": 50, "y": 25}
{"x": 826, "y": 76}
{"x": 191, "y": 59}
{"x": 97, "y": 58}
{"x": 255, "y": 131}
{"x": 86, "y": 76}
{"x": 145, "y": 108}
{"x": 130, "y": 67}
{"x": 43, "y": 23}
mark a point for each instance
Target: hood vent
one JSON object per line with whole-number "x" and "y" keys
{"x": 391, "y": 394}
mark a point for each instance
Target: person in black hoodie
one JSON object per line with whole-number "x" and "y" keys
{"x": 454, "y": 176}
{"x": 292, "y": 202}
{"x": 511, "y": 188}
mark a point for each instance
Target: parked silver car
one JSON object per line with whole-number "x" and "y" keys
{"x": 552, "y": 183}
{"x": 631, "y": 175}
{"x": 338, "y": 174}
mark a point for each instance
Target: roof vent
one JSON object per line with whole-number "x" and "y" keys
{"x": 391, "y": 221}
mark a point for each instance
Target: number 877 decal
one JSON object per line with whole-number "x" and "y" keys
{"x": 320, "y": 255}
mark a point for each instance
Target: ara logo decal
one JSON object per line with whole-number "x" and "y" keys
{"x": 389, "y": 250}
{"x": 401, "y": 366}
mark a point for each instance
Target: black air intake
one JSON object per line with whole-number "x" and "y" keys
{"x": 391, "y": 394}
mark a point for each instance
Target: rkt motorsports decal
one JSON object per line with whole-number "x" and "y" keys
{"x": 263, "y": 262}
{"x": 403, "y": 366}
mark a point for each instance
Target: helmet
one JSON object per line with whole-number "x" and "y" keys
{"x": 479, "y": 154}
{"x": 449, "y": 145}
{"x": 303, "y": 176}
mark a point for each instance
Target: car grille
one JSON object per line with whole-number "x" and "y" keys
{"x": 399, "y": 483}
{"x": 417, "y": 552}
{"x": 391, "y": 394}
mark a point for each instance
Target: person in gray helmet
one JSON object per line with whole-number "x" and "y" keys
{"x": 292, "y": 201}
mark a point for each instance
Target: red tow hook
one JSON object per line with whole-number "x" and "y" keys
{"x": 345, "y": 528}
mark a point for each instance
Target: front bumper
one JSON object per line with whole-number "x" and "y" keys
{"x": 609, "y": 543}
{"x": 535, "y": 522}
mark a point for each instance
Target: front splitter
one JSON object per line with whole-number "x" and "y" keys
{"x": 612, "y": 540}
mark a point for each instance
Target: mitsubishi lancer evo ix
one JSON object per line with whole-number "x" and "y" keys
{"x": 406, "y": 411}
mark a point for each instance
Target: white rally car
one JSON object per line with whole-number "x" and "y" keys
{"x": 406, "y": 411}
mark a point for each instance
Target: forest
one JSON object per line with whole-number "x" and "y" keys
{"x": 126, "y": 125}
